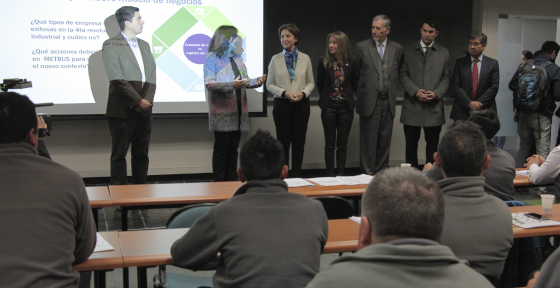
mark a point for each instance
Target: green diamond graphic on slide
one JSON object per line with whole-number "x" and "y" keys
{"x": 180, "y": 44}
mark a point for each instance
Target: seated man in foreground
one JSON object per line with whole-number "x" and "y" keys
{"x": 477, "y": 226}
{"x": 501, "y": 171}
{"x": 398, "y": 242}
{"x": 267, "y": 237}
{"x": 45, "y": 218}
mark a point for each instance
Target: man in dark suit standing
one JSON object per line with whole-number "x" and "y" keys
{"x": 475, "y": 89}
{"x": 378, "y": 61}
{"x": 131, "y": 70}
{"x": 424, "y": 75}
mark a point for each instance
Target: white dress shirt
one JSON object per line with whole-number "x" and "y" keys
{"x": 424, "y": 47}
{"x": 548, "y": 171}
{"x": 133, "y": 43}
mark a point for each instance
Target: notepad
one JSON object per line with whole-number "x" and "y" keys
{"x": 328, "y": 181}
{"x": 523, "y": 221}
{"x": 357, "y": 219}
{"x": 356, "y": 180}
{"x": 522, "y": 172}
{"x": 102, "y": 245}
{"x": 298, "y": 182}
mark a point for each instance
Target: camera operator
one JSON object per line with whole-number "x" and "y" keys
{"x": 41, "y": 146}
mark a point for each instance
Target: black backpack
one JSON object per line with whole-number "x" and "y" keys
{"x": 532, "y": 86}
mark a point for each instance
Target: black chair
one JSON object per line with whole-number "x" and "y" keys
{"x": 336, "y": 207}
{"x": 185, "y": 218}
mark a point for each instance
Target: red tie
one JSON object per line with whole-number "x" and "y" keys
{"x": 474, "y": 79}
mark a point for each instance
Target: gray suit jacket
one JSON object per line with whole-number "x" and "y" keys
{"x": 369, "y": 64}
{"x": 126, "y": 89}
{"x": 415, "y": 74}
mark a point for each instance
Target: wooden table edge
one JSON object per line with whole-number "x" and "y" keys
{"x": 151, "y": 260}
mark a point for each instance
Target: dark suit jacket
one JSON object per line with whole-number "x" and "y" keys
{"x": 368, "y": 63}
{"x": 488, "y": 83}
{"x": 126, "y": 89}
{"x": 415, "y": 74}
{"x": 325, "y": 82}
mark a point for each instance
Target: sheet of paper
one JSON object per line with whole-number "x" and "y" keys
{"x": 522, "y": 172}
{"x": 357, "y": 219}
{"x": 297, "y": 182}
{"x": 102, "y": 245}
{"x": 523, "y": 221}
{"x": 356, "y": 180}
{"x": 328, "y": 181}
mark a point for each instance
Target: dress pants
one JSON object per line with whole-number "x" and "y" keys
{"x": 290, "y": 119}
{"x": 376, "y": 131}
{"x": 412, "y": 135}
{"x": 337, "y": 121}
{"x": 224, "y": 157}
{"x": 124, "y": 132}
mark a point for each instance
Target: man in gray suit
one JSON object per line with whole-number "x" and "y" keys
{"x": 131, "y": 70}
{"x": 424, "y": 75}
{"x": 378, "y": 61}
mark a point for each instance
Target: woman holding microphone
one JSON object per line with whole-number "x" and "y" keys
{"x": 291, "y": 81}
{"x": 337, "y": 79}
{"x": 226, "y": 79}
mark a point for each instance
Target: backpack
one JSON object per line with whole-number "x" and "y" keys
{"x": 532, "y": 86}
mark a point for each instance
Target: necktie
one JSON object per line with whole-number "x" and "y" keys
{"x": 427, "y": 53}
{"x": 381, "y": 50}
{"x": 474, "y": 79}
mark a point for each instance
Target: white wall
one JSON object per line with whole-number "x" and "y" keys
{"x": 536, "y": 31}
{"x": 185, "y": 145}
{"x": 510, "y": 45}
{"x": 492, "y": 8}
{"x": 515, "y": 34}
{"x": 489, "y": 21}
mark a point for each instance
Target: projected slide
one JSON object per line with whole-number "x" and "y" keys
{"x": 57, "y": 45}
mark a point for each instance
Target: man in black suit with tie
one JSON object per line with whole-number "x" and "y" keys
{"x": 378, "y": 60}
{"x": 475, "y": 89}
{"x": 131, "y": 70}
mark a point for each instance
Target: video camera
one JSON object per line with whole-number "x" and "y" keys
{"x": 16, "y": 83}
